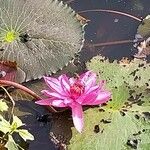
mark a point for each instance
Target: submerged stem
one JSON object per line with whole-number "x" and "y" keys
{"x": 69, "y": 1}
{"x": 111, "y": 11}
{"x": 111, "y": 43}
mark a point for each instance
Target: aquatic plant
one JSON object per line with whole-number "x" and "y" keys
{"x": 75, "y": 93}
{"x": 10, "y": 127}
{"x": 124, "y": 122}
{"x": 41, "y": 36}
{"x": 143, "y": 35}
{"x": 144, "y": 28}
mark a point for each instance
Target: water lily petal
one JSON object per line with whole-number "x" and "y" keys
{"x": 72, "y": 81}
{"x": 64, "y": 81}
{"x": 74, "y": 93}
{"x": 90, "y": 82}
{"x": 53, "y": 84}
{"x": 77, "y": 114}
{"x": 55, "y": 103}
{"x": 93, "y": 89}
{"x": 68, "y": 101}
{"x": 46, "y": 92}
{"x": 97, "y": 87}
{"x": 85, "y": 77}
{"x": 102, "y": 83}
{"x": 54, "y": 94}
{"x": 87, "y": 98}
{"x": 102, "y": 97}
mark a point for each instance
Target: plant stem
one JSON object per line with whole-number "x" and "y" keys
{"x": 110, "y": 43}
{"x": 25, "y": 89}
{"x": 112, "y": 11}
{"x": 69, "y": 1}
{"x": 19, "y": 86}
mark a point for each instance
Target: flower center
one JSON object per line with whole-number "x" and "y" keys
{"x": 10, "y": 36}
{"x": 76, "y": 89}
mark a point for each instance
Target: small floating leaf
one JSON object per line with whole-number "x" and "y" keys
{"x": 144, "y": 28}
{"x": 3, "y": 106}
{"x": 11, "y": 145}
{"x": 25, "y": 134}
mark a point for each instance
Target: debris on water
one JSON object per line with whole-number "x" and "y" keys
{"x": 143, "y": 48}
{"x": 82, "y": 20}
{"x": 116, "y": 20}
{"x": 58, "y": 141}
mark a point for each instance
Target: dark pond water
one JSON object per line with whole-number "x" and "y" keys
{"x": 103, "y": 27}
{"x": 106, "y": 27}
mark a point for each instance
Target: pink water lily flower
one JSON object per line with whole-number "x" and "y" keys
{"x": 74, "y": 93}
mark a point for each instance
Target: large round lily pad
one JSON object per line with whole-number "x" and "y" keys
{"x": 42, "y": 36}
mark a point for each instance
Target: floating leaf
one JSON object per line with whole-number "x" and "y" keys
{"x": 125, "y": 119}
{"x": 112, "y": 135}
{"x": 10, "y": 71}
{"x": 16, "y": 122}
{"x": 144, "y": 28}
{"x": 11, "y": 145}
{"x": 4, "y": 125}
{"x": 3, "y": 106}
{"x": 42, "y": 36}
{"x": 25, "y": 134}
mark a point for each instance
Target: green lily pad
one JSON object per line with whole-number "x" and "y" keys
{"x": 144, "y": 28}
{"x": 124, "y": 122}
{"x": 42, "y": 36}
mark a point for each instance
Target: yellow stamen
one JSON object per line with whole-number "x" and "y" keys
{"x": 10, "y": 36}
